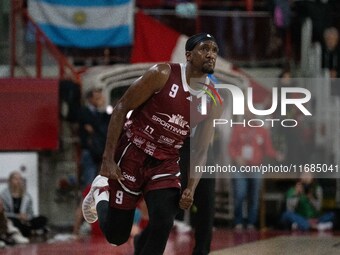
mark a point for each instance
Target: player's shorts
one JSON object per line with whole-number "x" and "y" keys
{"x": 142, "y": 173}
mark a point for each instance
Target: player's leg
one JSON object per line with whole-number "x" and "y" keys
{"x": 239, "y": 194}
{"x": 114, "y": 208}
{"x": 162, "y": 207}
{"x": 204, "y": 219}
{"x": 114, "y": 202}
{"x": 289, "y": 218}
{"x": 254, "y": 191}
{"x": 115, "y": 223}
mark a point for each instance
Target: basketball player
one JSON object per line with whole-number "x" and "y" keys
{"x": 141, "y": 156}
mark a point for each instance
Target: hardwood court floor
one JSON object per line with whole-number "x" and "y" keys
{"x": 181, "y": 244}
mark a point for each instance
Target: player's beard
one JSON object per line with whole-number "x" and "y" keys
{"x": 208, "y": 70}
{"x": 208, "y": 67}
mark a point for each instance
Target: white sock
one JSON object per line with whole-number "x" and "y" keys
{"x": 104, "y": 195}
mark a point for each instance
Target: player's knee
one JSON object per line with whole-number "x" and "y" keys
{"x": 162, "y": 224}
{"x": 117, "y": 239}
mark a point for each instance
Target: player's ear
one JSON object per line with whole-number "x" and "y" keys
{"x": 188, "y": 55}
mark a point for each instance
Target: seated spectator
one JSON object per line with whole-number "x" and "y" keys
{"x": 18, "y": 207}
{"x": 304, "y": 203}
{"x": 9, "y": 235}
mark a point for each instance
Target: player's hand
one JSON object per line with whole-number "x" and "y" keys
{"x": 187, "y": 199}
{"x": 111, "y": 170}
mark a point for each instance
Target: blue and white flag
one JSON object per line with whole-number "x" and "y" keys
{"x": 85, "y": 23}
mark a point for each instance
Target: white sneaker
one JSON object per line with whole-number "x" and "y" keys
{"x": 15, "y": 233}
{"x": 20, "y": 239}
{"x": 238, "y": 227}
{"x": 88, "y": 206}
{"x": 324, "y": 226}
{"x": 251, "y": 227}
{"x": 295, "y": 226}
{"x": 85, "y": 228}
{"x": 2, "y": 244}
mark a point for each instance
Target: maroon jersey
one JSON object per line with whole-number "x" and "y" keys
{"x": 161, "y": 124}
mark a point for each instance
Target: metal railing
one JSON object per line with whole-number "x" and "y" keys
{"x": 20, "y": 22}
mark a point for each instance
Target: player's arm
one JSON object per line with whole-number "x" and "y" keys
{"x": 200, "y": 144}
{"x": 139, "y": 92}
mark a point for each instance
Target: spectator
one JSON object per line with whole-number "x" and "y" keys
{"x": 93, "y": 123}
{"x": 93, "y": 120}
{"x": 331, "y": 57}
{"x": 331, "y": 51}
{"x": 204, "y": 202}
{"x": 216, "y": 22}
{"x": 319, "y": 11}
{"x": 18, "y": 207}
{"x": 281, "y": 14}
{"x": 243, "y": 29}
{"x": 9, "y": 235}
{"x": 304, "y": 203}
{"x": 296, "y": 143}
{"x": 248, "y": 147}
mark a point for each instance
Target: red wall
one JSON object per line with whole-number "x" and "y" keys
{"x": 29, "y": 114}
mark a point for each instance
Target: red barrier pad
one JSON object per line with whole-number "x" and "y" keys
{"x": 29, "y": 114}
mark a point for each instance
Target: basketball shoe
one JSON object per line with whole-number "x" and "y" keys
{"x": 99, "y": 185}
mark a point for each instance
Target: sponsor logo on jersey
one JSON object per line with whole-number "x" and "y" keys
{"x": 138, "y": 141}
{"x": 175, "y": 119}
{"x": 129, "y": 177}
{"x": 167, "y": 124}
{"x": 148, "y": 131}
{"x": 150, "y": 148}
{"x": 166, "y": 140}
